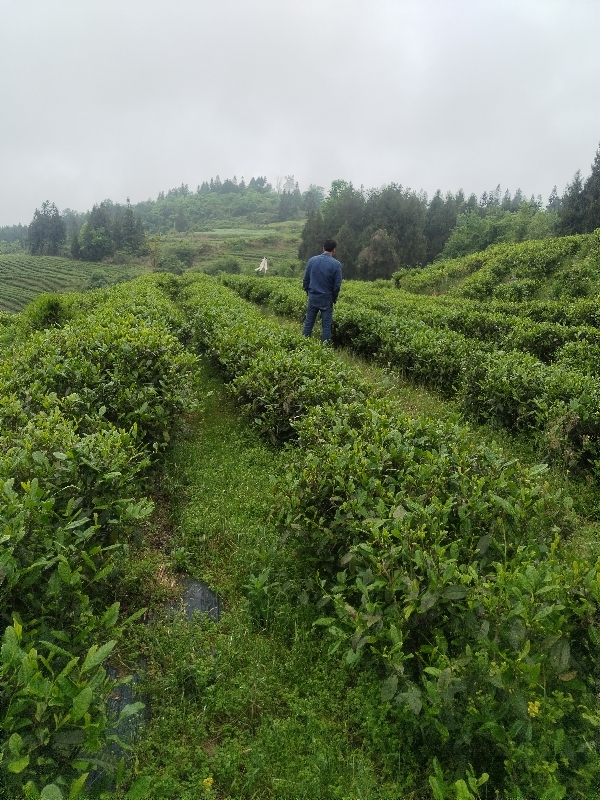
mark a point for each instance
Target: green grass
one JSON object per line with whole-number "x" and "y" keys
{"x": 253, "y": 702}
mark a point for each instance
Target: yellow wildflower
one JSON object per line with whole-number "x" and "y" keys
{"x": 207, "y": 783}
{"x": 533, "y": 708}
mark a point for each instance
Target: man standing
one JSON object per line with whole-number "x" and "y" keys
{"x": 322, "y": 281}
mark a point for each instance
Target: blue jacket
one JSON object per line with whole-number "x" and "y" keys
{"x": 322, "y": 280}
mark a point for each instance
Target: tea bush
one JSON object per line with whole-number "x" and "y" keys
{"x": 84, "y": 408}
{"x": 277, "y": 375}
{"x": 511, "y": 388}
{"x": 478, "y": 275}
{"x": 442, "y": 563}
{"x": 507, "y": 330}
{"x": 436, "y": 562}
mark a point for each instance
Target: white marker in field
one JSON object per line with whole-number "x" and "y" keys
{"x": 263, "y": 266}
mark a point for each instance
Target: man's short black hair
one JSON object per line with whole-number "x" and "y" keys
{"x": 329, "y": 245}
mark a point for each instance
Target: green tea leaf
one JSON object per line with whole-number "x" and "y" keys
{"x": 560, "y": 655}
{"x": 139, "y": 788}
{"x": 454, "y": 592}
{"x": 18, "y": 765}
{"x": 51, "y": 792}
{"x": 77, "y": 786}
{"x": 81, "y": 703}
{"x": 111, "y": 615}
{"x": 388, "y": 690}
{"x": 131, "y": 709}
{"x": 96, "y": 655}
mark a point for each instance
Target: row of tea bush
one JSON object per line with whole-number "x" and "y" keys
{"x": 435, "y": 563}
{"x": 88, "y": 395}
{"x": 558, "y": 402}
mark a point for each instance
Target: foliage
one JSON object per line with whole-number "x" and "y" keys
{"x": 290, "y": 200}
{"x": 47, "y": 231}
{"x": 439, "y": 561}
{"x": 169, "y": 262}
{"x": 228, "y": 265}
{"x": 480, "y": 275}
{"x": 378, "y": 259}
{"x": 271, "y": 381}
{"x": 182, "y": 209}
{"x": 460, "y": 352}
{"x": 84, "y": 407}
{"x": 24, "y": 277}
{"x": 313, "y": 236}
{"x": 580, "y": 206}
{"x": 51, "y": 310}
{"x": 107, "y": 230}
{"x": 474, "y": 232}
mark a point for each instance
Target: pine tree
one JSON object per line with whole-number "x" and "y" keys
{"x": 591, "y": 197}
{"x": 131, "y": 233}
{"x": 47, "y": 231}
{"x": 95, "y": 237}
{"x": 573, "y": 208}
{"x": 312, "y": 236}
{"x": 554, "y": 202}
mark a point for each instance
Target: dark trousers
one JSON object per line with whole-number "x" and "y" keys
{"x": 326, "y": 320}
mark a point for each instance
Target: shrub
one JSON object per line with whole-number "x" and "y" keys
{"x": 82, "y": 407}
{"x": 440, "y": 562}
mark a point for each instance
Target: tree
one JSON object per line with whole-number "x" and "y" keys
{"x": 440, "y": 220}
{"x": 47, "y": 230}
{"x": 181, "y": 223}
{"x": 591, "y": 197}
{"x": 95, "y": 237}
{"x": 312, "y": 236}
{"x": 344, "y": 220}
{"x": 474, "y": 233}
{"x": 312, "y": 198}
{"x": 554, "y": 202}
{"x": 572, "y": 215}
{"x": 290, "y": 200}
{"x": 75, "y": 247}
{"x": 133, "y": 235}
{"x": 349, "y": 245}
{"x": 117, "y": 227}
{"x": 379, "y": 259}
{"x": 401, "y": 212}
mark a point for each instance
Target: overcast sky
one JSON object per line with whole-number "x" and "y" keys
{"x": 116, "y": 98}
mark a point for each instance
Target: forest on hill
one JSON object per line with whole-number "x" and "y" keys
{"x": 378, "y": 230}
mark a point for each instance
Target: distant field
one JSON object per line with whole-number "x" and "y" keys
{"x": 23, "y": 277}
{"x": 278, "y": 242}
{"x": 225, "y": 233}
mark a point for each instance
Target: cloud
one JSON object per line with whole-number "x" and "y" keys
{"x": 115, "y": 99}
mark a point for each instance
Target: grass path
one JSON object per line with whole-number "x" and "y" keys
{"x": 251, "y": 707}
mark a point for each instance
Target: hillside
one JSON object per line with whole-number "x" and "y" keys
{"x": 566, "y": 267}
{"x": 24, "y": 277}
{"x": 220, "y": 249}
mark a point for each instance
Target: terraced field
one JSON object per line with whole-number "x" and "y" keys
{"x": 22, "y": 278}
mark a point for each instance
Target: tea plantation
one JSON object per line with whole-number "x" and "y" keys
{"x": 23, "y": 277}
{"x": 412, "y": 601}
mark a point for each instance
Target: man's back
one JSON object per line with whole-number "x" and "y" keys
{"x": 322, "y": 279}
